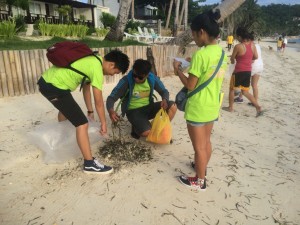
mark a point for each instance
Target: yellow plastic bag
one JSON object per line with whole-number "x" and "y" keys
{"x": 161, "y": 130}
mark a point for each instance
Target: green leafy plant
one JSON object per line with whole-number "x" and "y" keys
{"x": 107, "y": 19}
{"x": 8, "y": 29}
{"x": 101, "y": 32}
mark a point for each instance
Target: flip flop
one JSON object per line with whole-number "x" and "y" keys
{"x": 226, "y": 109}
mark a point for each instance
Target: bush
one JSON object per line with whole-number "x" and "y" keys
{"x": 91, "y": 30}
{"x": 20, "y": 23}
{"x": 132, "y": 26}
{"x": 101, "y": 32}
{"x": 107, "y": 19}
{"x": 8, "y": 29}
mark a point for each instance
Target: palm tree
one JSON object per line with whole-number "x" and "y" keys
{"x": 226, "y": 7}
{"x": 117, "y": 31}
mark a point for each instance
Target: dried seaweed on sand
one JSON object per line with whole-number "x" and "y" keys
{"x": 122, "y": 150}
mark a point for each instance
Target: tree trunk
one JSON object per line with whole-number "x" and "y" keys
{"x": 169, "y": 14}
{"x": 117, "y": 31}
{"x": 226, "y": 7}
{"x": 132, "y": 9}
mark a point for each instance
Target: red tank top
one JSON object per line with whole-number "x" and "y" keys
{"x": 244, "y": 62}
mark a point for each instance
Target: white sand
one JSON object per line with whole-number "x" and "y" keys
{"x": 253, "y": 175}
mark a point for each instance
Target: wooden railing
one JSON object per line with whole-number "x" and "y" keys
{"x": 20, "y": 69}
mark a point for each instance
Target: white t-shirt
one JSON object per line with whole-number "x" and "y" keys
{"x": 257, "y": 65}
{"x": 285, "y": 40}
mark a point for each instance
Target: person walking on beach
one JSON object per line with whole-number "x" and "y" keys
{"x": 284, "y": 43}
{"x": 229, "y": 42}
{"x": 257, "y": 69}
{"x": 56, "y": 84}
{"x": 136, "y": 91}
{"x": 202, "y": 109}
{"x": 279, "y": 44}
{"x": 242, "y": 55}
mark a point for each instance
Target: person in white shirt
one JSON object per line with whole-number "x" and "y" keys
{"x": 284, "y": 43}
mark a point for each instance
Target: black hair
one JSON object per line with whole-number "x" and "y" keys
{"x": 120, "y": 59}
{"x": 208, "y": 22}
{"x": 252, "y": 36}
{"x": 141, "y": 67}
{"x": 244, "y": 33}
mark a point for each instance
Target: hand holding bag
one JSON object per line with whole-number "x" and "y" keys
{"x": 183, "y": 95}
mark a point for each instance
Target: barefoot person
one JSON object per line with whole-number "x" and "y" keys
{"x": 257, "y": 69}
{"x": 202, "y": 109}
{"x": 242, "y": 55}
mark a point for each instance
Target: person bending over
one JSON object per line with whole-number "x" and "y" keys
{"x": 56, "y": 84}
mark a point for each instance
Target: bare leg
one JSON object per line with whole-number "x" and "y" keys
{"x": 254, "y": 81}
{"x": 172, "y": 111}
{"x": 83, "y": 141}
{"x": 200, "y": 137}
{"x": 252, "y": 100}
{"x": 61, "y": 117}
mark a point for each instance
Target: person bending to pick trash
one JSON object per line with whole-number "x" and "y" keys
{"x": 56, "y": 84}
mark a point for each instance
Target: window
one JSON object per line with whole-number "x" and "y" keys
{"x": 35, "y": 8}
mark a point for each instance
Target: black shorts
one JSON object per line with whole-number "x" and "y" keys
{"x": 64, "y": 102}
{"x": 139, "y": 118}
{"x": 241, "y": 80}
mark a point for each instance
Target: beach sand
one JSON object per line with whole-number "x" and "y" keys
{"x": 253, "y": 174}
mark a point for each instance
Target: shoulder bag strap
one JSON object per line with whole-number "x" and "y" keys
{"x": 203, "y": 85}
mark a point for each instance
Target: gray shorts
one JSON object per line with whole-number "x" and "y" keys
{"x": 139, "y": 118}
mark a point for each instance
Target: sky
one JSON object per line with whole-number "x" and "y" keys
{"x": 260, "y": 2}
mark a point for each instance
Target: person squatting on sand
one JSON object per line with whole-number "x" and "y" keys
{"x": 202, "y": 109}
{"x": 243, "y": 53}
{"x": 257, "y": 70}
{"x": 56, "y": 84}
{"x": 136, "y": 91}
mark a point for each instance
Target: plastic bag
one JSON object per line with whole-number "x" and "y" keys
{"x": 161, "y": 130}
{"x": 58, "y": 142}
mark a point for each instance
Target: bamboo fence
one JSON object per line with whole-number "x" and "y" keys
{"x": 20, "y": 69}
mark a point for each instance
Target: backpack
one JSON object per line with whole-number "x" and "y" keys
{"x": 63, "y": 54}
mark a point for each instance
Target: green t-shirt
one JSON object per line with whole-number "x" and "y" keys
{"x": 140, "y": 95}
{"x": 67, "y": 79}
{"x": 204, "y": 106}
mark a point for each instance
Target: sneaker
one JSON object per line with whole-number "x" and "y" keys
{"x": 193, "y": 166}
{"x": 193, "y": 182}
{"x": 94, "y": 166}
{"x": 239, "y": 100}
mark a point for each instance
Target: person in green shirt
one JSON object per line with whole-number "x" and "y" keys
{"x": 202, "y": 109}
{"x": 56, "y": 84}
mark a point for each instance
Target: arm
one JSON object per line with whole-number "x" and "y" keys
{"x": 163, "y": 92}
{"x": 255, "y": 55}
{"x": 87, "y": 96}
{"x": 118, "y": 92}
{"x": 189, "y": 82}
{"x": 234, "y": 54}
{"x": 99, "y": 105}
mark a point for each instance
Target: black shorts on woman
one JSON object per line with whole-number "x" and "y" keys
{"x": 242, "y": 80}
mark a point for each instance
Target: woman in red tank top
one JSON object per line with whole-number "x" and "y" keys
{"x": 242, "y": 55}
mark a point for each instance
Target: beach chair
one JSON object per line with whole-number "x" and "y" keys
{"x": 147, "y": 38}
{"x": 131, "y": 37}
{"x": 160, "y": 38}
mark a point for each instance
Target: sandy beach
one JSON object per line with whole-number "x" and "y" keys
{"x": 253, "y": 174}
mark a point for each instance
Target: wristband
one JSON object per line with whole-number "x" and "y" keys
{"x": 90, "y": 112}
